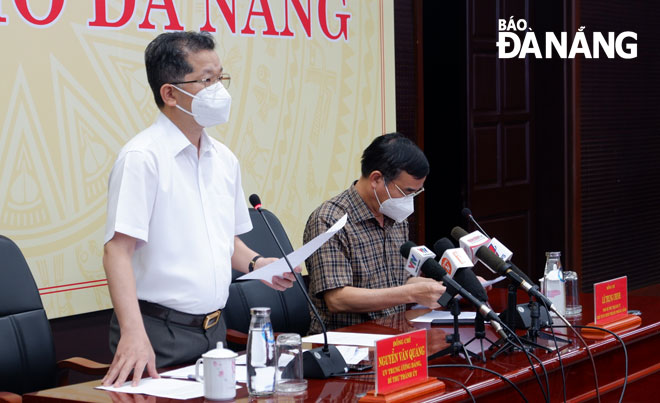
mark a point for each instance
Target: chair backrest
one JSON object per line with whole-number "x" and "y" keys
{"x": 27, "y": 352}
{"x": 289, "y": 310}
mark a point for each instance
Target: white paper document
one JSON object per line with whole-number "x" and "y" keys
{"x": 345, "y": 338}
{"x": 353, "y": 354}
{"x": 493, "y": 281}
{"x": 444, "y": 316}
{"x": 163, "y": 387}
{"x": 189, "y": 372}
{"x": 485, "y": 284}
{"x": 241, "y": 374}
{"x": 296, "y": 257}
{"x": 183, "y": 372}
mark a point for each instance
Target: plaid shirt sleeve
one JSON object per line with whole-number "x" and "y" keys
{"x": 330, "y": 266}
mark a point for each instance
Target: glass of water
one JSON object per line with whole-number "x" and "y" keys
{"x": 573, "y": 307}
{"x": 289, "y": 376}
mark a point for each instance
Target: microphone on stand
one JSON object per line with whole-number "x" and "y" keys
{"x": 496, "y": 246}
{"x": 321, "y": 362}
{"x": 493, "y": 262}
{"x": 466, "y": 277}
{"x": 432, "y": 269}
{"x": 467, "y": 213}
{"x": 475, "y": 241}
{"x": 418, "y": 255}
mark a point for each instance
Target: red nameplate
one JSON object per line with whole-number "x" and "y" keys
{"x": 401, "y": 361}
{"x": 611, "y": 300}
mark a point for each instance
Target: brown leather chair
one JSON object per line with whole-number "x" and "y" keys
{"x": 27, "y": 352}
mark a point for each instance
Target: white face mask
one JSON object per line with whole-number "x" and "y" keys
{"x": 397, "y": 209}
{"x": 210, "y": 106}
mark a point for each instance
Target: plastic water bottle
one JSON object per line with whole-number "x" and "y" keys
{"x": 553, "y": 281}
{"x": 261, "y": 360}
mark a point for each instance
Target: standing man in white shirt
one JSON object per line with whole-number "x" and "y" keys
{"x": 175, "y": 210}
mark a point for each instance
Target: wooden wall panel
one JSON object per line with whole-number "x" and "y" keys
{"x": 620, "y": 148}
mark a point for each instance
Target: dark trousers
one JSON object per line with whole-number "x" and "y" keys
{"x": 174, "y": 344}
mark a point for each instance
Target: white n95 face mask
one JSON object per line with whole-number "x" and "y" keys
{"x": 397, "y": 209}
{"x": 210, "y": 106}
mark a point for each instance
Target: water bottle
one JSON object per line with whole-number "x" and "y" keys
{"x": 261, "y": 360}
{"x": 553, "y": 281}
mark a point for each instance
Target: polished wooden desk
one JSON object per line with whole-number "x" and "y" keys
{"x": 643, "y": 373}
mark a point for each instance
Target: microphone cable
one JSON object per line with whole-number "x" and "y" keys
{"x": 440, "y": 247}
{"x": 527, "y": 354}
{"x": 554, "y": 338}
{"x": 502, "y": 377}
{"x": 462, "y": 385}
{"x": 545, "y": 372}
{"x": 625, "y": 353}
{"x": 586, "y": 346}
{"x": 442, "y": 378}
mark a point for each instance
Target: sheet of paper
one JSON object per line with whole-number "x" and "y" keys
{"x": 183, "y": 372}
{"x": 241, "y": 374}
{"x": 350, "y": 339}
{"x": 353, "y": 354}
{"x": 443, "y": 315}
{"x": 163, "y": 387}
{"x": 493, "y": 281}
{"x": 189, "y": 372}
{"x": 458, "y": 297}
{"x": 296, "y": 257}
{"x": 486, "y": 284}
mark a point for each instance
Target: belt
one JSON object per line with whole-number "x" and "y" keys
{"x": 204, "y": 321}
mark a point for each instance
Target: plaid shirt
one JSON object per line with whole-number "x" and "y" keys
{"x": 363, "y": 254}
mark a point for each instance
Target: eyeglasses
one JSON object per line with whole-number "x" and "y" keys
{"x": 411, "y": 195}
{"x": 223, "y": 78}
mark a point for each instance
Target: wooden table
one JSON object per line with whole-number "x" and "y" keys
{"x": 643, "y": 360}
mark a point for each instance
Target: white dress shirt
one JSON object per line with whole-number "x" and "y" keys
{"x": 184, "y": 212}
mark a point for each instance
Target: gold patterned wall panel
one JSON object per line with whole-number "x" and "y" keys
{"x": 304, "y": 107}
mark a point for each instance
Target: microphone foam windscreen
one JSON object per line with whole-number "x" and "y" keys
{"x": 466, "y": 278}
{"x": 466, "y": 212}
{"x": 441, "y": 245}
{"x": 254, "y": 200}
{"x": 405, "y": 248}
{"x": 458, "y": 233}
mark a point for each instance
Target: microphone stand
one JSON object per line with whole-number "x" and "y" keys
{"x": 480, "y": 334}
{"x": 321, "y": 362}
{"x": 529, "y": 341}
{"x": 455, "y": 348}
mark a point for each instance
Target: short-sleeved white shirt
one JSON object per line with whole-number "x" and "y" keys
{"x": 184, "y": 211}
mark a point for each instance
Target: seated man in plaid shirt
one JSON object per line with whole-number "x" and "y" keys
{"x": 359, "y": 274}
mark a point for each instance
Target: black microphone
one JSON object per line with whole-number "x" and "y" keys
{"x": 467, "y": 213}
{"x": 508, "y": 269}
{"x": 321, "y": 362}
{"x": 432, "y": 269}
{"x": 464, "y": 276}
{"x": 469, "y": 281}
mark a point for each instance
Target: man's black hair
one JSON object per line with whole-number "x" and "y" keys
{"x": 166, "y": 57}
{"x": 392, "y": 153}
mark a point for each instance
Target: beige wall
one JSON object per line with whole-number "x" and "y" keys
{"x": 303, "y": 109}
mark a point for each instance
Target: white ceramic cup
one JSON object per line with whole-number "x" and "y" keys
{"x": 219, "y": 373}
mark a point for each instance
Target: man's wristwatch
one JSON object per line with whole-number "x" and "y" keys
{"x": 253, "y": 262}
